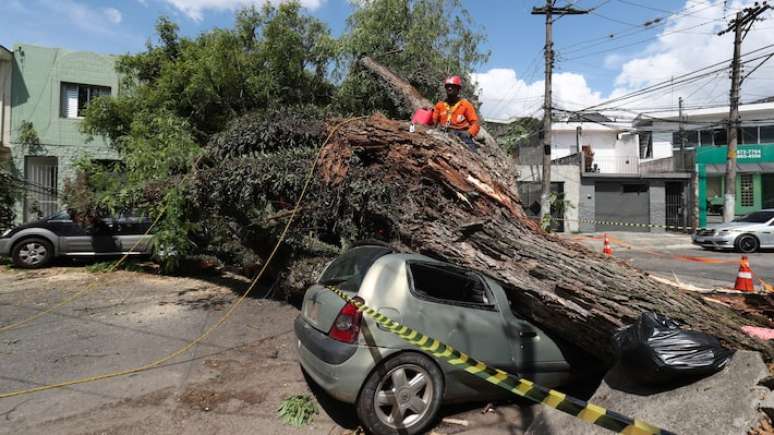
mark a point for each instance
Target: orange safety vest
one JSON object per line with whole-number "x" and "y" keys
{"x": 461, "y": 116}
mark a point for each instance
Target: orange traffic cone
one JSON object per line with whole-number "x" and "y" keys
{"x": 744, "y": 280}
{"x": 606, "y": 249}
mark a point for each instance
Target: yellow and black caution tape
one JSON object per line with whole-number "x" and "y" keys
{"x": 624, "y": 224}
{"x": 581, "y": 409}
{"x": 636, "y": 225}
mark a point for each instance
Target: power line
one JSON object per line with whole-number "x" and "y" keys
{"x": 682, "y": 77}
{"x": 646, "y": 26}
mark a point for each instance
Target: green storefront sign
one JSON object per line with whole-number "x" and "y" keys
{"x": 754, "y": 180}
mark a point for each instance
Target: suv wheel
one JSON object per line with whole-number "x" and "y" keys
{"x": 747, "y": 243}
{"x": 32, "y": 253}
{"x": 401, "y": 396}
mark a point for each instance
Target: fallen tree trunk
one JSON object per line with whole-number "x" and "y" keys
{"x": 452, "y": 206}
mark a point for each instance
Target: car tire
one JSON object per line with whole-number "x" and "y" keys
{"x": 409, "y": 387}
{"x": 747, "y": 243}
{"x": 32, "y": 253}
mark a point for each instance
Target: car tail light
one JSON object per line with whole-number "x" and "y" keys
{"x": 346, "y": 327}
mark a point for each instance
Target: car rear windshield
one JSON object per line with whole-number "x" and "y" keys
{"x": 758, "y": 217}
{"x": 348, "y": 270}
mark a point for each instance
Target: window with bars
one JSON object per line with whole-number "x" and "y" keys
{"x": 747, "y": 198}
{"x": 75, "y": 97}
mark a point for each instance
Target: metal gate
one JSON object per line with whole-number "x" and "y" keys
{"x": 675, "y": 206}
{"x": 622, "y": 206}
{"x": 40, "y": 197}
{"x": 530, "y": 191}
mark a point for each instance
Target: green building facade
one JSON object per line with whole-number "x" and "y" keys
{"x": 50, "y": 87}
{"x": 754, "y": 179}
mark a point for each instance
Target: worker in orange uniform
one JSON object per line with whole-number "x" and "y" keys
{"x": 456, "y": 115}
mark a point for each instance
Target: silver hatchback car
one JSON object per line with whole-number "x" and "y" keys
{"x": 395, "y": 386}
{"x": 745, "y": 234}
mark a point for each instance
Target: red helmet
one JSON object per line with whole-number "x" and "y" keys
{"x": 453, "y": 80}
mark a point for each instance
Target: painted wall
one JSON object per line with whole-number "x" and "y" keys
{"x": 567, "y": 174}
{"x": 614, "y": 150}
{"x": 763, "y": 153}
{"x": 5, "y": 104}
{"x": 38, "y": 73}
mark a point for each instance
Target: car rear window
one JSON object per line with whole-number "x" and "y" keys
{"x": 348, "y": 270}
{"x": 758, "y": 217}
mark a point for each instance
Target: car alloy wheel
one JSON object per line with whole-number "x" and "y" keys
{"x": 403, "y": 397}
{"x": 747, "y": 244}
{"x": 33, "y": 253}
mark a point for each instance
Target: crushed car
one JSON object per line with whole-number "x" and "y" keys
{"x": 395, "y": 386}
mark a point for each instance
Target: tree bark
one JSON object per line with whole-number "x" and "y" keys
{"x": 455, "y": 207}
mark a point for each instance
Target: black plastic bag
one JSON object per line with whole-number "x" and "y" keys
{"x": 654, "y": 350}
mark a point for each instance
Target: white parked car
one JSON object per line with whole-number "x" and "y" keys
{"x": 745, "y": 234}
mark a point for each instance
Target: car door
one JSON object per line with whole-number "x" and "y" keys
{"x": 535, "y": 354}
{"x": 74, "y": 238}
{"x": 767, "y": 235}
{"x": 130, "y": 233}
{"x": 456, "y": 307}
{"x": 103, "y": 238}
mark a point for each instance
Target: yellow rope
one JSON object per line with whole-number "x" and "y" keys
{"x": 225, "y": 316}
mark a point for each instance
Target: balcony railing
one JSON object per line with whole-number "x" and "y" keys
{"x": 610, "y": 165}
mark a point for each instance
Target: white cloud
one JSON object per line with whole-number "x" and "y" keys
{"x": 194, "y": 9}
{"x": 683, "y": 45}
{"x": 503, "y": 95}
{"x": 113, "y": 15}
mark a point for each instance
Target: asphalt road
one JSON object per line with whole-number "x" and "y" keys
{"x": 231, "y": 383}
{"x": 671, "y": 255}
{"x": 234, "y": 381}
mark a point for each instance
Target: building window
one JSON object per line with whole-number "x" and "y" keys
{"x": 705, "y": 137}
{"x": 767, "y": 134}
{"x": 75, "y": 97}
{"x": 748, "y": 135}
{"x": 720, "y": 136}
{"x": 746, "y": 190}
{"x": 691, "y": 139}
{"x": 646, "y": 144}
{"x": 41, "y": 179}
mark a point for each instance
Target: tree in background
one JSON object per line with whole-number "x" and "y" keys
{"x": 248, "y": 104}
{"x": 423, "y": 41}
{"x": 179, "y": 92}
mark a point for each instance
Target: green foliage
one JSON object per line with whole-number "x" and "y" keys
{"x": 27, "y": 134}
{"x": 298, "y": 410}
{"x": 106, "y": 266}
{"x": 422, "y": 41}
{"x": 558, "y": 204}
{"x": 8, "y": 193}
{"x": 520, "y": 133}
{"x": 258, "y": 94}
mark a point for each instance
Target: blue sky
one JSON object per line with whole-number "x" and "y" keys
{"x": 635, "y": 56}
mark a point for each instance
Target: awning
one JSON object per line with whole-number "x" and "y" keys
{"x": 720, "y": 168}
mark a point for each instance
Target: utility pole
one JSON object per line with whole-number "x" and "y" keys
{"x": 549, "y": 10}
{"x": 740, "y": 25}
